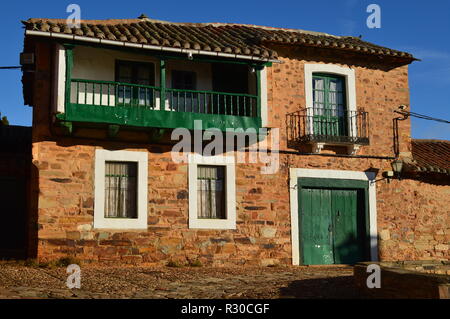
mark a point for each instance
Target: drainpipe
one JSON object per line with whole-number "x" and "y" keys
{"x": 404, "y": 116}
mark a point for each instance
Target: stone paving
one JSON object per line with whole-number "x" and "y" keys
{"x": 18, "y": 281}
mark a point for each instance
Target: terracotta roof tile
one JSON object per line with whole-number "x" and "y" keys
{"x": 431, "y": 156}
{"x": 215, "y": 37}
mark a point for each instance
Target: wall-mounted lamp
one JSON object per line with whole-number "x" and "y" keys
{"x": 190, "y": 56}
{"x": 397, "y": 167}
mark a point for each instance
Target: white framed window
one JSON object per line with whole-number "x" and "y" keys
{"x": 330, "y": 93}
{"x": 212, "y": 192}
{"x": 121, "y": 183}
{"x": 339, "y": 97}
{"x": 347, "y": 73}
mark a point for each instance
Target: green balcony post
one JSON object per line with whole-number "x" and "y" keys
{"x": 162, "y": 77}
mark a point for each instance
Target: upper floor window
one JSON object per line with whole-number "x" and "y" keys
{"x": 184, "y": 80}
{"x": 139, "y": 73}
{"x": 329, "y": 109}
{"x": 184, "y": 101}
{"x": 330, "y": 116}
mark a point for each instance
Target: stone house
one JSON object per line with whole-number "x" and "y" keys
{"x": 109, "y": 97}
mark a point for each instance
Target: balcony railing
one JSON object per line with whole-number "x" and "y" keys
{"x": 141, "y": 105}
{"x": 208, "y": 102}
{"x": 318, "y": 125}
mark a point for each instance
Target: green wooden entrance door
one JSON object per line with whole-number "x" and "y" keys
{"x": 331, "y": 225}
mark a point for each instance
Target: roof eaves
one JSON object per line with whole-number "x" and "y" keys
{"x": 147, "y": 46}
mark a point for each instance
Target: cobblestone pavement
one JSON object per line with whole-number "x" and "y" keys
{"x": 186, "y": 282}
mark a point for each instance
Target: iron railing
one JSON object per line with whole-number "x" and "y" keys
{"x": 318, "y": 125}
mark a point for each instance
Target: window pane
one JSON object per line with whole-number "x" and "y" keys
{"x": 120, "y": 190}
{"x": 145, "y": 74}
{"x": 318, "y": 94}
{"x": 183, "y": 80}
{"x": 125, "y": 73}
{"x": 184, "y": 101}
{"x": 211, "y": 192}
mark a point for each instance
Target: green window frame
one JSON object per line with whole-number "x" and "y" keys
{"x": 329, "y": 117}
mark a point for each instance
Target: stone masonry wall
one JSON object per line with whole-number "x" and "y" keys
{"x": 412, "y": 216}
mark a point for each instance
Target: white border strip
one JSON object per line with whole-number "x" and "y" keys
{"x": 296, "y": 173}
{"x": 146, "y": 46}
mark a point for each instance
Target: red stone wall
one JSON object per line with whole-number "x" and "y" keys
{"x": 65, "y": 173}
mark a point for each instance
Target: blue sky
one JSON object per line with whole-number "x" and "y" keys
{"x": 419, "y": 27}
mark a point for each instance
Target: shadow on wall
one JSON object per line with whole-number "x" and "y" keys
{"x": 32, "y": 218}
{"x": 15, "y": 183}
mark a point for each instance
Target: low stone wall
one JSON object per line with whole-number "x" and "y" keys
{"x": 407, "y": 280}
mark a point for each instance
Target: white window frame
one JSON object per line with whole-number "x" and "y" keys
{"x": 59, "y": 79}
{"x": 296, "y": 173}
{"x": 100, "y": 221}
{"x": 263, "y": 93}
{"x": 350, "y": 86}
{"x": 230, "y": 185}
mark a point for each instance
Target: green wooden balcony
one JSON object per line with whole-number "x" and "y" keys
{"x": 125, "y": 104}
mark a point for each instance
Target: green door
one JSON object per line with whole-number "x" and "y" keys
{"x": 329, "y": 105}
{"x": 315, "y": 226}
{"x": 331, "y": 225}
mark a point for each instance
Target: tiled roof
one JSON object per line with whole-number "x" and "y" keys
{"x": 431, "y": 156}
{"x": 249, "y": 40}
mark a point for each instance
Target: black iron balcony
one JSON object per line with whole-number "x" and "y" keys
{"x": 329, "y": 126}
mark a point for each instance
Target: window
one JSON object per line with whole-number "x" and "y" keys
{"x": 329, "y": 115}
{"x": 212, "y": 198}
{"x": 184, "y": 101}
{"x": 211, "y": 192}
{"x": 120, "y": 190}
{"x": 183, "y": 80}
{"x": 234, "y": 78}
{"x": 139, "y": 73}
{"x": 330, "y": 93}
